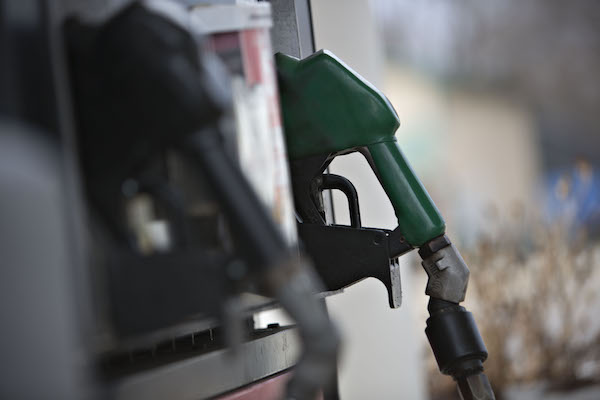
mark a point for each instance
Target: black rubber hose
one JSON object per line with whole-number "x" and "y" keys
{"x": 289, "y": 279}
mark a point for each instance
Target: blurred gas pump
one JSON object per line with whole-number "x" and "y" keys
{"x": 328, "y": 111}
{"x": 145, "y": 90}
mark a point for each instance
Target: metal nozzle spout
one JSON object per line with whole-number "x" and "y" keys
{"x": 475, "y": 387}
{"x": 458, "y": 348}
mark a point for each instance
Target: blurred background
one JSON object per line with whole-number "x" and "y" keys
{"x": 499, "y": 106}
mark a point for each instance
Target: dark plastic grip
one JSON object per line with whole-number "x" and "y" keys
{"x": 455, "y": 341}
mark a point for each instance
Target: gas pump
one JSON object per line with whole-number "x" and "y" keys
{"x": 145, "y": 90}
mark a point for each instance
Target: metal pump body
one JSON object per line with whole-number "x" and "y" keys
{"x": 329, "y": 110}
{"x": 144, "y": 86}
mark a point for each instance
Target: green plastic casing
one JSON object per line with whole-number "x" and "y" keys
{"x": 329, "y": 108}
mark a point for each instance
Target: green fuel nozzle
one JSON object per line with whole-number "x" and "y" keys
{"x": 330, "y": 110}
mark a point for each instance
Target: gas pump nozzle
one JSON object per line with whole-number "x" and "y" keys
{"x": 329, "y": 110}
